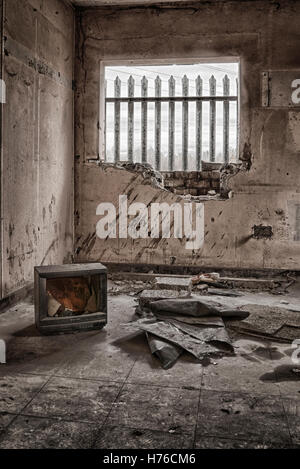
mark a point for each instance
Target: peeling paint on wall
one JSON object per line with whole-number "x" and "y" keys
{"x": 37, "y": 172}
{"x": 262, "y": 232}
{"x": 297, "y": 223}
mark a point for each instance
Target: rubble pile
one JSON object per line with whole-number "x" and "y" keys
{"x": 198, "y": 314}
{"x": 268, "y": 322}
{"x": 173, "y": 325}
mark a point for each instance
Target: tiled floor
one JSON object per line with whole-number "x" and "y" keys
{"x": 104, "y": 390}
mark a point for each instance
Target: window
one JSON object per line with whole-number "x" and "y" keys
{"x": 172, "y": 116}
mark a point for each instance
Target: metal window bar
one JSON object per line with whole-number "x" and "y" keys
{"x": 117, "y": 117}
{"x": 130, "y": 132}
{"x": 226, "y": 90}
{"x": 237, "y": 121}
{"x": 157, "y": 123}
{"x": 171, "y": 124}
{"x": 144, "y": 119}
{"x": 212, "y": 120}
{"x": 199, "y": 90}
{"x": 185, "y": 99}
{"x": 185, "y": 123}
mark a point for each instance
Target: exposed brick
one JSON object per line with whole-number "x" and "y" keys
{"x": 215, "y": 175}
{"x": 192, "y": 182}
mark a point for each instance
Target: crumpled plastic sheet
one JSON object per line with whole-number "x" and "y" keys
{"x": 213, "y": 335}
{"x": 214, "y": 321}
{"x": 166, "y": 352}
{"x": 191, "y": 324}
{"x": 171, "y": 333}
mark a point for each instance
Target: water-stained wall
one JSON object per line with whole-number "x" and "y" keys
{"x": 37, "y": 161}
{"x": 265, "y": 35}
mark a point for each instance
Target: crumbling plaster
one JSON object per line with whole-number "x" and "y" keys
{"x": 265, "y": 35}
{"x": 37, "y": 164}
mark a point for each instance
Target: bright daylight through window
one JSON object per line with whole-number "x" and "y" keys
{"x": 172, "y": 116}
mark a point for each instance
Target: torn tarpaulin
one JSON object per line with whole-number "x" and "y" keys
{"x": 196, "y": 307}
{"x": 167, "y": 331}
{"x": 214, "y": 321}
{"x": 213, "y": 335}
{"x": 166, "y": 352}
{"x": 191, "y": 324}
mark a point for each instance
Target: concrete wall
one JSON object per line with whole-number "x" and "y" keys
{"x": 265, "y": 35}
{"x": 37, "y": 160}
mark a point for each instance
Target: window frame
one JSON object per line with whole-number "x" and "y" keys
{"x": 159, "y": 62}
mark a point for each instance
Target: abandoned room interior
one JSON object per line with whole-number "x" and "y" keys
{"x": 150, "y": 224}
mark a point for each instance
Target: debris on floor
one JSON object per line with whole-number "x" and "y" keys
{"x": 173, "y": 325}
{"x": 205, "y": 278}
{"x": 147, "y": 296}
{"x": 130, "y": 287}
{"x": 173, "y": 283}
{"x": 257, "y": 284}
{"x": 196, "y": 314}
{"x": 196, "y": 307}
{"x": 269, "y": 322}
{"x": 212, "y": 283}
{"x": 214, "y": 279}
{"x": 166, "y": 352}
{"x": 200, "y": 321}
{"x": 222, "y": 292}
{"x": 200, "y": 347}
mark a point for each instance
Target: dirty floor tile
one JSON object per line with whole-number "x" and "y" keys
{"x": 155, "y": 408}
{"x": 285, "y": 371}
{"x": 76, "y": 400}
{"x": 17, "y": 390}
{"x": 41, "y": 433}
{"x": 225, "y": 443}
{"x": 240, "y": 374}
{"x": 242, "y": 416}
{"x": 292, "y": 410}
{"x": 148, "y": 370}
{"x": 132, "y": 438}
{"x": 5, "y": 420}
{"x": 109, "y": 363}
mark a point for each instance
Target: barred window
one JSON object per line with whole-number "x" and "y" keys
{"x": 173, "y": 117}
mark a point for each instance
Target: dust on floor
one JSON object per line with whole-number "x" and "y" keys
{"x": 105, "y": 390}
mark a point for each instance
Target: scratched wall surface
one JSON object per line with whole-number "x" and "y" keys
{"x": 37, "y": 173}
{"x": 265, "y": 35}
